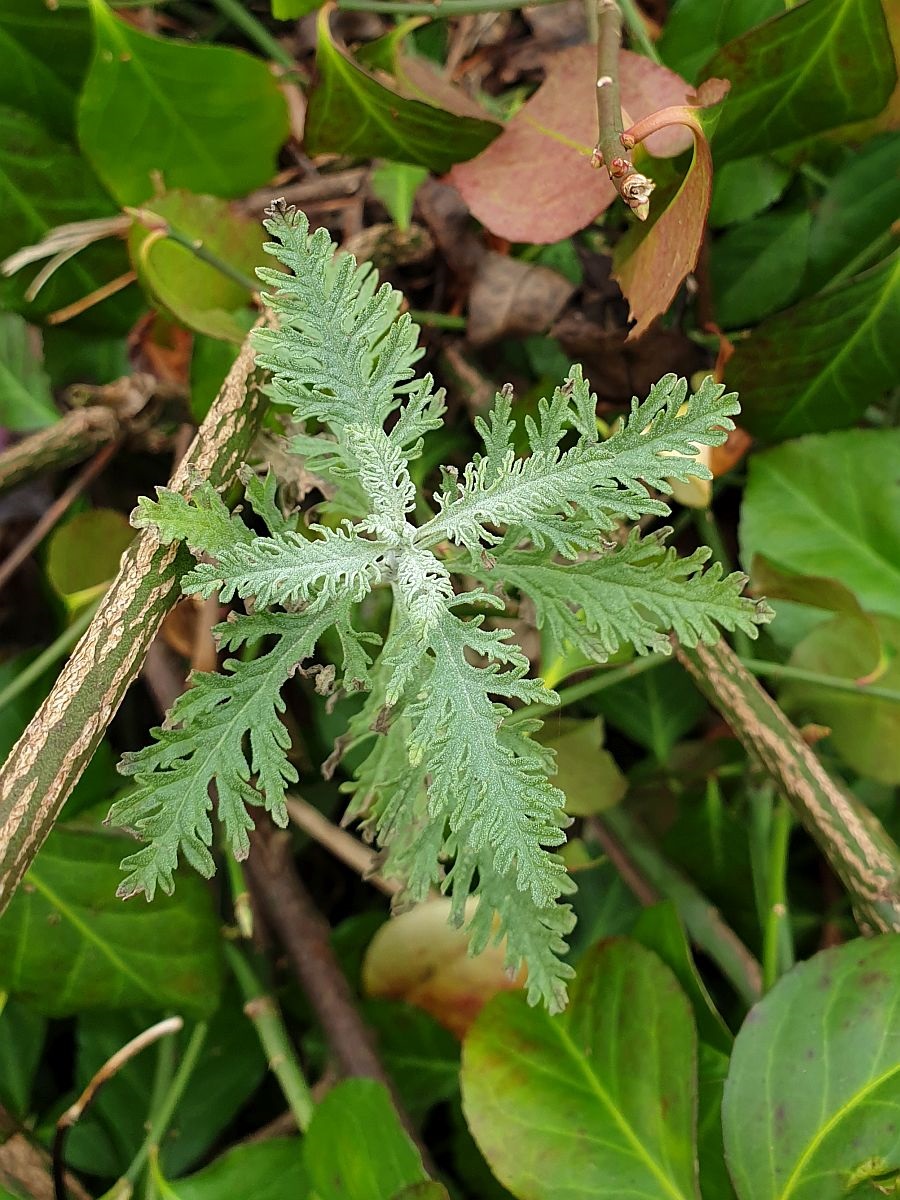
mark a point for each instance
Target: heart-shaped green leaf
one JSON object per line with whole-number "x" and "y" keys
{"x": 207, "y": 118}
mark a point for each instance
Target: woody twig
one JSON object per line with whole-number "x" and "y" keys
{"x": 614, "y": 146}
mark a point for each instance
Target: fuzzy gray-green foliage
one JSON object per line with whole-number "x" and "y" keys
{"x": 454, "y": 784}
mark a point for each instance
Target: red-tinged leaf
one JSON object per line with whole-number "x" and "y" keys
{"x": 535, "y": 182}
{"x": 652, "y": 273}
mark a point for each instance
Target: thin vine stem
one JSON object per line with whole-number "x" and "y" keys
{"x": 161, "y": 228}
{"x": 53, "y": 653}
{"x": 834, "y": 683}
{"x": 637, "y": 30}
{"x": 240, "y": 16}
{"x": 777, "y": 950}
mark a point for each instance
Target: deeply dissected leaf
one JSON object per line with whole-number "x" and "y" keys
{"x": 817, "y": 65}
{"x": 269, "y": 1170}
{"x": 600, "y": 1101}
{"x": 820, "y": 505}
{"x": 651, "y": 272}
{"x": 92, "y": 951}
{"x": 32, "y": 202}
{"x": 173, "y": 105}
{"x": 535, "y": 182}
{"x": 820, "y": 364}
{"x": 757, "y": 267}
{"x": 351, "y": 112}
{"x": 852, "y": 224}
{"x": 356, "y": 1148}
{"x": 814, "y": 1081}
{"x": 200, "y": 295}
{"x": 45, "y": 52}
{"x": 26, "y": 401}
{"x": 695, "y": 29}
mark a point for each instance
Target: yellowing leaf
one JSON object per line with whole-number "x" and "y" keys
{"x": 667, "y": 252}
{"x": 420, "y": 958}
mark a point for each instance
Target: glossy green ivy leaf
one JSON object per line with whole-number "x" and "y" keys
{"x": 32, "y": 201}
{"x": 45, "y": 52}
{"x": 602, "y": 1097}
{"x": 207, "y": 118}
{"x": 695, "y": 29}
{"x": 356, "y": 1148}
{"x": 204, "y": 297}
{"x": 865, "y": 731}
{"x": 820, "y": 364}
{"x": 270, "y": 1170}
{"x": 350, "y": 112}
{"x": 68, "y": 945}
{"x": 810, "y": 1108}
{"x": 826, "y": 505}
{"x": 744, "y": 188}
{"x": 395, "y": 185}
{"x": 818, "y": 65}
{"x": 756, "y": 267}
{"x": 852, "y": 225}
{"x": 229, "y": 1069}
{"x": 26, "y": 401}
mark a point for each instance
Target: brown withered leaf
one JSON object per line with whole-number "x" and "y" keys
{"x": 535, "y": 183}
{"x": 652, "y": 271}
{"x": 510, "y": 298}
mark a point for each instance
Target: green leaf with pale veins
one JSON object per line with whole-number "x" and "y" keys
{"x": 599, "y": 1102}
{"x": 352, "y": 113}
{"x": 68, "y": 946}
{"x": 820, "y": 64}
{"x": 813, "y": 1092}
{"x": 174, "y": 105}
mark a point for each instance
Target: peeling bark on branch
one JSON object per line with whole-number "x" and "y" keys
{"x": 47, "y": 761}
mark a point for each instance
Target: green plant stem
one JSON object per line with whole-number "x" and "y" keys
{"x": 861, "y": 853}
{"x": 159, "y": 225}
{"x": 637, "y": 30}
{"x": 774, "y": 670}
{"x": 263, "y": 1012}
{"x": 53, "y": 653}
{"x": 596, "y": 683}
{"x": 49, "y": 757}
{"x": 162, "y": 1118}
{"x": 235, "y": 11}
{"x": 611, "y": 151}
{"x": 438, "y": 320}
{"x": 776, "y": 927}
{"x": 701, "y": 919}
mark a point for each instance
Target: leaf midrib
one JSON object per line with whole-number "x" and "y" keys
{"x": 621, "y": 1122}
{"x": 833, "y": 1121}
